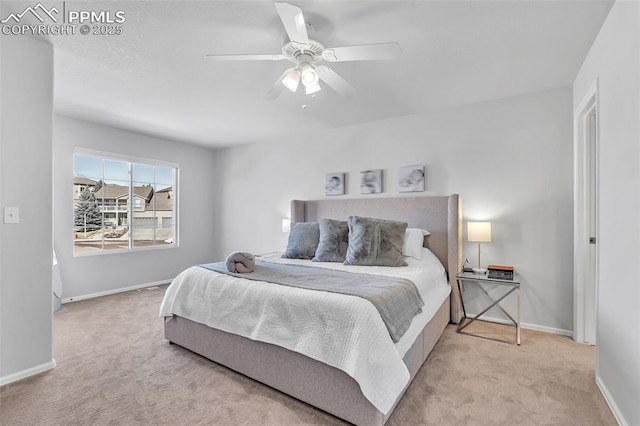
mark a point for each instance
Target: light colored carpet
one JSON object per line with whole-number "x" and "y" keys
{"x": 114, "y": 367}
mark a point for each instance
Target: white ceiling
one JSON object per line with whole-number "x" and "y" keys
{"x": 154, "y": 79}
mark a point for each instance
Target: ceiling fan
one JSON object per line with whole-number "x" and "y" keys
{"x": 306, "y": 53}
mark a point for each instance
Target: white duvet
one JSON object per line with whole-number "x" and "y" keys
{"x": 343, "y": 331}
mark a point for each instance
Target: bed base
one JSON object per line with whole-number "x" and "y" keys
{"x": 299, "y": 376}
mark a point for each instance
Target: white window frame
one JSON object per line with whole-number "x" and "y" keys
{"x": 131, "y": 159}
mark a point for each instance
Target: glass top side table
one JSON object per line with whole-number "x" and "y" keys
{"x": 482, "y": 281}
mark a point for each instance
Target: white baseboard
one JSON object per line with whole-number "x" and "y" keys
{"x": 118, "y": 290}
{"x": 610, "y": 402}
{"x": 546, "y": 329}
{"x": 529, "y": 326}
{"x": 28, "y": 372}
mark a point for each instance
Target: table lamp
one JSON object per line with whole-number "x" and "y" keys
{"x": 479, "y": 232}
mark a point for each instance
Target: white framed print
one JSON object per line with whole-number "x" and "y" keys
{"x": 334, "y": 184}
{"x": 411, "y": 179}
{"x": 371, "y": 181}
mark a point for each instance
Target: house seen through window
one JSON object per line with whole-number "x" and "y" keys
{"x": 122, "y": 205}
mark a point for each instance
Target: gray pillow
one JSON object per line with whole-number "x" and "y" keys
{"x": 303, "y": 240}
{"x": 334, "y": 240}
{"x": 375, "y": 242}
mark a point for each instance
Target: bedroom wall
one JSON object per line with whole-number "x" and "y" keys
{"x": 614, "y": 61}
{"x": 198, "y": 204}
{"x": 510, "y": 160}
{"x": 25, "y": 182}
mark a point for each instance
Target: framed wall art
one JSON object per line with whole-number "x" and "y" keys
{"x": 334, "y": 184}
{"x": 371, "y": 181}
{"x": 411, "y": 179}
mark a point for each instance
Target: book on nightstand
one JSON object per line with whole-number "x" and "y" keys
{"x": 500, "y": 272}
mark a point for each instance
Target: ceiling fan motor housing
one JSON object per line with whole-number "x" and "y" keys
{"x": 299, "y": 53}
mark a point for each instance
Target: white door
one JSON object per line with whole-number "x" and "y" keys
{"x": 592, "y": 219}
{"x": 586, "y": 219}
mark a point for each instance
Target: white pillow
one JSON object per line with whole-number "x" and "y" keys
{"x": 413, "y": 240}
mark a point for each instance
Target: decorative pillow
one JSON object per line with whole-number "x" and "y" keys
{"x": 303, "y": 240}
{"x": 334, "y": 240}
{"x": 413, "y": 242}
{"x": 375, "y": 242}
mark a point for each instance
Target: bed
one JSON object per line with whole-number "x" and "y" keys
{"x": 326, "y": 385}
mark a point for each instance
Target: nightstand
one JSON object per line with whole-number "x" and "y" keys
{"x": 483, "y": 283}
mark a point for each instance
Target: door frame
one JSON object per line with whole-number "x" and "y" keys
{"x": 581, "y": 218}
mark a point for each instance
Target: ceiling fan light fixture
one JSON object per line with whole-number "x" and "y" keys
{"x": 308, "y": 75}
{"x": 291, "y": 80}
{"x": 312, "y": 88}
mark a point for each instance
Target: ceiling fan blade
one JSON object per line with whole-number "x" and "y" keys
{"x": 293, "y": 22}
{"x": 273, "y": 92}
{"x": 274, "y": 57}
{"x": 365, "y": 52}
{"x": 337, "y": 83}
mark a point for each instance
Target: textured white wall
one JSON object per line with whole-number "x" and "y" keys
{"x": 197, "y": 207}
{"x": 26, "y": 107}
{"x": 510, "y": 160}
{"x": 614, "y": 60}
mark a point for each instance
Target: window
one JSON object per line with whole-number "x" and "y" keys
{"x": 122, "y": 204}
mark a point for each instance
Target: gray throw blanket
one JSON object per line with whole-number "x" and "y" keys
{"x": 240, "y": 262}
{"x": 396, "y": 299}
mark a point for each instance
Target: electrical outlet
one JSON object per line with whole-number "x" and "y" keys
{"x": 11, "y": 215}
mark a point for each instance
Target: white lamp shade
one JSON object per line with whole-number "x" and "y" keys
{"x": 291, "y": 80}
{"x": 286, "y": 225}
{"x": 308, "y": 75}
{"x": 479, "y": 232}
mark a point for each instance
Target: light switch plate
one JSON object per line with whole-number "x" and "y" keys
{"x": 11, "y": 215}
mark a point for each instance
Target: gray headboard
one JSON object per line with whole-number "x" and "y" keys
{"x": 441, "y": 216}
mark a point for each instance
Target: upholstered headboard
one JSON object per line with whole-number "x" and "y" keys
{"x": 441, "y": 216}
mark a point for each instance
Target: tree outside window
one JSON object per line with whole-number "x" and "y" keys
{"x": 87, "y": 216}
